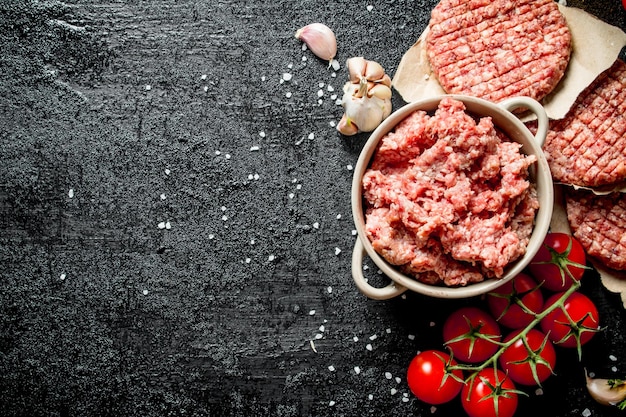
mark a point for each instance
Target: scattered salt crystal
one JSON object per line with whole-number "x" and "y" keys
{"x": 320, "y": 84}
{"x": 370, "y": 8}
{"x": 270, "y": 258}
{"x": 322, "y": 328}
{"x": 248, "y": 260}
{"x": 250, "y": 176}
{"x": 398, "y": 380}
{"x": 370, "y": 397}
{"x": 161, "y": 225}
{"x": 211, "y": 236}
{"x": 612, "y": 358}
{"x": 353, "y": 232}
{"x": 331, "y": 368}
{"x": 405, "y": 399}
{"x": 206, "y": 88}
{"x": 369, "y": 347}
{"x": 318, "y": 336}
{"x": 388, "y": 331}
{"x": 224, "y": 217}
{"x": 320, "y": 93}
{"x": 262, "y": 134}
{"x": 256, "y": 176}
{"x": 311, "y": 135}
{"x": 312, "y": 313}
{"x": 290, "y": 65}
{"x": 337, "y": 251}
{"x": 167, "y": 172}
{"x": 393, "y": 391}
{"x": 338, "y": 102}
{"x": 303, "y": 59}
{"x": 355, "y": 338}
{"x": 433, "y": 409}
{"x": 357, "y": 370}
{"x": 263, "y": 78}
{"x": 335, "y": 64}
{"x": 586, "y": 412}
{"x": 203, "y": 77}
{"x": 330, "y": 290}
{"x": 145, "y": 292}
{"x": 332, "y": 123}
{"x": 291, "y": 195}
{"x": 411, "y": 337}
{"x": 70, "y": 193}
{"x": 320, "y": 101}
{"x": 299, "y": 187}
{"x": 614, "y": 368}
{"x": 331, "y": 403}
{"x": 288, "y": 94}
{"x": 62, "y": 277}
{"x": 330, "y": 88}
{"x": 349, "y": 167}
{"x": 538, "y": 392}
{"x": 227, "y": 156}
{"x": 148, "y": 87}
{"x": 168, "y": 225}
{"x": 373, "y": 337}
{"x": 338, "y": 216}
{"x": 287, "y": 76}
{"x": 333, "y": 97}
{"x": 254, "y": 148}
{"x": 162, "y": 197}
{"x": 218, "y": 153}
{"x": 316, "y": 225}
{"x": 388, "y": 375}
{"x": 432, "y": 324}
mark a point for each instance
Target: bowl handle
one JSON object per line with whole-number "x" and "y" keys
{"x": 513, "y": 103}
{"x": 384, "y": 293}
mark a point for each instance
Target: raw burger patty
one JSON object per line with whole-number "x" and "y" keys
{"x": 599, "y": 223}
{"x": 588, "y": 146}
{"x": 498, "y": 49}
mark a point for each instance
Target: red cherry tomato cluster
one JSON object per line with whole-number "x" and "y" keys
{"x": 538, "y": 310}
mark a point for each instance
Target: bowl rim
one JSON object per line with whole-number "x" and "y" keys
{"x": 517, "y": 131}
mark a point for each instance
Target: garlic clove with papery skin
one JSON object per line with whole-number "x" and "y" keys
{"x": 606, "y": 391}
{"x": 320, "y": 39}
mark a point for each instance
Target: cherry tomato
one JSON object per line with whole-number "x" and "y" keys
{"x": 490, "y": 394}
{"x": 584, "y": 322}
{"x": 528, "y": 361}
{"x": 429, "y": 379}
{"x": 560, "y": 259}
{"x": 504, "y": 302}
{"x": 624, "y": 4}
{"x": 469, "y": 332}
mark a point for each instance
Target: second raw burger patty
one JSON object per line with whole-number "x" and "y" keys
{"x": 588, "y": 146}
{"x": 599, "y": 223}
{"x": 498, "y": 49}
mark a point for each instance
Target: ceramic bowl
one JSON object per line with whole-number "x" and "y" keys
{"x": 503, "y": 118}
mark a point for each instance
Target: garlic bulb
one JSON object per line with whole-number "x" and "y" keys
{"x": 606, "y": 391}
{"x": 320, "y": 39}
{"x": 367, "y": 97}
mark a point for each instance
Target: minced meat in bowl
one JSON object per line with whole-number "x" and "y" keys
{"x": 452, "y": 196}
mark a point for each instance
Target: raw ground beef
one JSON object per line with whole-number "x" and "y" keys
{"x": 599, "y": 223}
{"x": 448, "y": 198}
{"x": 588, "y": 146}
{"x": 495, "y": 49}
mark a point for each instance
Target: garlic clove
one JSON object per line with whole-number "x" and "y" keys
{"x": 381, "y": 91}
{"x": 604, "y": 392}
{"x": 356, "y": 68}
{"x": 374, "y": 71}
{"x": 386, "y": 80}
{"x": 320, "y": 39}
{"x": 346, "y": 127}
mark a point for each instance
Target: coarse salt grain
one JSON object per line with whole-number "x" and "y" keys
{"x": 393, "y": 391}
{"x": 287, "y": 76}
{"x": 330, "y": 290}
{"x": 337, "y": 251}
{"x": 288, "y": 94}
{"x": 586, "y": 412}
{"x": 322, "y": 328}
{"x": 311, "y": 135}
{"x": 369, "y": 347}
{"x": 254, "y": 148}
{"x": 613, "y": 358}
{"x": 357, "y": 370}
{"x": 161, "y": 225}
{"x": 167, "y": 172}
{"x": 388, "y": 375}
{"x": 70, "y": 193}
{"x": 168, "y": 225}
{"x": 370, "y": 8}
{"x": 145, "y": 292}
{"x": 388, "y": 330}
{"x": 370, "y": 397}
{"x": 373, "y": 337}
{"x": 331, "y": 403}
{"x": 162, "y": 197}
{"x": 270, "y": 258}
{"x": 316, "y": 225}
{"x": 398, "y": 380}
{"x": 62, "y": 277}
{"x": 262, "y": 134}
{"x": 355, "y": 338}
{"x": 318, "y": 336}
{"x": 336, "y": 65}
{"x": 331, "y": 368}
{"x": 411, "y": 337}
{"x": 312, "y": 313}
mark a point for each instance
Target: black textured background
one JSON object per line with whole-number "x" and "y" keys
{"x": 119, "y": 117}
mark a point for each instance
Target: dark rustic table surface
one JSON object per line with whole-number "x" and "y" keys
{"x": 176, "y": 223}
